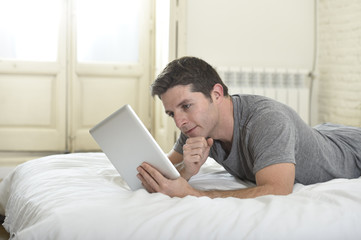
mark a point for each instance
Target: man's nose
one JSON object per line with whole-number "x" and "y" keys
{"x": 179, "y": 119}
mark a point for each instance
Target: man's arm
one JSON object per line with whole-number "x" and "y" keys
{"x": 175, "y": 157}
{"x": 277, "y": 179}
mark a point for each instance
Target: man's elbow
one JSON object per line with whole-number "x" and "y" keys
{"x": 280, "y": 190}
{"x": 284, "y": 191}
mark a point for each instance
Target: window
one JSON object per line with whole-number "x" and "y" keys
{"x": 107, "y": 30}
{"x": 29, "y": 30}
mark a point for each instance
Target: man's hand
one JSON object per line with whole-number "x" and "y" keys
{"x": 153, "y": 181}
{"x": 195, "y": 153}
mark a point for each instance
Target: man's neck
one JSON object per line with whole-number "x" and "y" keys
{"x": 226, "y": 122}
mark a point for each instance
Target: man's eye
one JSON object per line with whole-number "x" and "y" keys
{"x": 186, "y": 106}
{"x": 171, "y": 115}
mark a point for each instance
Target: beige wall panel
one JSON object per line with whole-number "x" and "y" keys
{"x": 30, "y": 107}
{"x": 26, "y": 101}
{"x": 98, "y": 98}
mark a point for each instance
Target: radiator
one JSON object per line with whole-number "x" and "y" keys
{"x": 290, "y": 87}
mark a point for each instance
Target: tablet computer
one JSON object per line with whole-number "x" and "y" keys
{"x": 127, "y": 143}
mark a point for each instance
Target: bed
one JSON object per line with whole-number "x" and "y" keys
{"x": 82, "y": 196}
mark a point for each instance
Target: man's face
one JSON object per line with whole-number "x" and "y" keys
{"x": 193, "y": 113}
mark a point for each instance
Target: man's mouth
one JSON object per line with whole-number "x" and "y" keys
{"x": 190, "y": 130}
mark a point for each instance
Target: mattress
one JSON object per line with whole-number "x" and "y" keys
{"x": 82, "y": 196}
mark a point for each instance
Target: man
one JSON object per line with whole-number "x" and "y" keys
{"x": 254, "y": 138}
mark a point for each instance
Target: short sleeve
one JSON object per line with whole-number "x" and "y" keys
{"x": 272, "y": 141}
{"x": 178, "y": 146}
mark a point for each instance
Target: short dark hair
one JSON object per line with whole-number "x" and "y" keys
{"x": 185, "y": 71}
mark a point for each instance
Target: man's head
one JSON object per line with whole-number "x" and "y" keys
{"x": 185, "y": 71}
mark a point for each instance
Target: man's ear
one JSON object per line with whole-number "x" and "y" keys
{"x": 217, "y": 92}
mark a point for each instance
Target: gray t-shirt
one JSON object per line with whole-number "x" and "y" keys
{"x": 267, "y": 132}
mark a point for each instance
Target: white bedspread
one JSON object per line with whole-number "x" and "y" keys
{"x": 81, "y": 196}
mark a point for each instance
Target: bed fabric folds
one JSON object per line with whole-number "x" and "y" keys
{"x": 82, "y": 196}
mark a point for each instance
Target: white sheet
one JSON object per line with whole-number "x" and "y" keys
{"x": 81, "y": 196}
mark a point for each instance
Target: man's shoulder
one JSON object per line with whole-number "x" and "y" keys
{"x": 251, "y": 107}
{"x": 255, "y": 101}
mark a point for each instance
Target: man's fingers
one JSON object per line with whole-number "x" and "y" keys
{"x": 147, "y": 179}
{"x": 150, "y": 177}
{"x": 193, "y": 151}
{"x": 145, "y": 183}
{"x": 197, "y": 148}
{"x": 200, "y": 142}
{"x": 194, "y": 146}
{"x": 194, "y": 139}
{"x": 210, "y": 142}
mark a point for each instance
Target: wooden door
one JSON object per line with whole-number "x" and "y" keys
{"x": 57, "y": 80}
{"x": 111, "y": 64}
{"x": 32, "y": 76}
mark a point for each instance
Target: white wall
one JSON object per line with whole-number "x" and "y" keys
{"x": 258, "y": 33}
{"x": 275, "y": 34}
{"x": 339, "y": 63}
